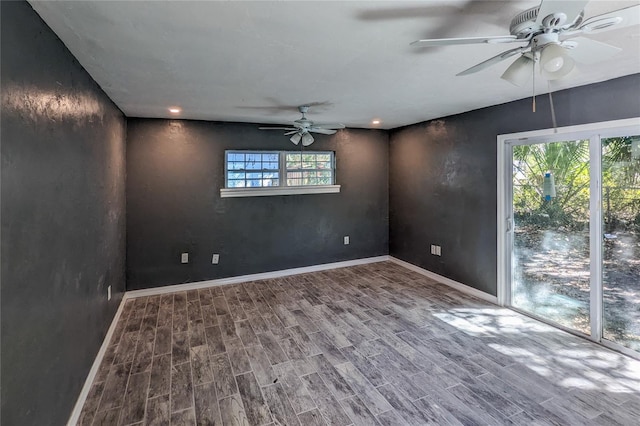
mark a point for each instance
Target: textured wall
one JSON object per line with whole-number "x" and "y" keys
{"x": 175, "y": 170}
{"x": 63, "y": 220}
{"x": 442, "y": 176}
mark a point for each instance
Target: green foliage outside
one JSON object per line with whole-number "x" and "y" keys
{"x": 569, "y": 163}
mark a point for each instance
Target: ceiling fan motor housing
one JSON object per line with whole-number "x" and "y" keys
{"x": 524, "y": 25}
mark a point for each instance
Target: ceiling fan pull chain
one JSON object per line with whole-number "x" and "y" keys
{"x": 553, "y": 110}
{"x": 534, "y": 85}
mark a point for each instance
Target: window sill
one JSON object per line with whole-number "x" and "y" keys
{"x": 286, "y": 190}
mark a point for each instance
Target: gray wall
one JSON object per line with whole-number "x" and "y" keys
{"x": 442, "y": 176}
{"x": 175, "y": 170}
{"x": 63, "y": 220}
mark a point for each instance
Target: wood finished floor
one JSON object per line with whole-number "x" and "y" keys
{"x": 364, "y": 345}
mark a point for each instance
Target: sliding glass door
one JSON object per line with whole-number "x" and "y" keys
{"x": 621, "y": 242}
{"x": 571, "y": 246}
{"x": 551, "y": 250}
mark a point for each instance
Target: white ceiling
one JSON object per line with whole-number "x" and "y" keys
{"x": 254, "y": 61}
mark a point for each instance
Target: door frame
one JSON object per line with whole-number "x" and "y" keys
{"x": 594, "y": 132}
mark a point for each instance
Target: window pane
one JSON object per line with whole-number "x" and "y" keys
{"x": 236, "y": 165}
{"x": 236, "y": 183}
{"x": 234, "y": 175}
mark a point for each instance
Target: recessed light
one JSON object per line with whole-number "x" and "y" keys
{"x": 375, "y": 122}
{"x": 174, "y": 110}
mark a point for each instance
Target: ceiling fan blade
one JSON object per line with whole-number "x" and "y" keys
{"x": 276, "y": 128}
{"x": 329, "y": 125}
{"x": 322, "y": 131}
{"x": 571, "y": 8}
{"x": 291, "y": 133}
{"x": 589, "y": 51}
{"x": 613, "y": 20}
{"x": 434, "y": 42}
{"x": 491, "y": 61}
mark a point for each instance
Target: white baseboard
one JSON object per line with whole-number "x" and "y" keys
{"x": 447, "y": 281}
{"x": 77, "y": 409}
{"x": 252, "y": 277}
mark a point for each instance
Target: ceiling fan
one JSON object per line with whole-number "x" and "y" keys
{"x": 548, "y": 36}
{"x": 302, "y": 128}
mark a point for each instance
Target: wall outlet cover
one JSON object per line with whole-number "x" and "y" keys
{"x": 184, "y": 258}
{"x": 109, "y": 293}
{"x": 215, "y": 259}
{"x": 346, "y": 240}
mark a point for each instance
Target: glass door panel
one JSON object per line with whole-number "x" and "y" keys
{"x": 550, "y": 258}
{"x": 621, "y": 242}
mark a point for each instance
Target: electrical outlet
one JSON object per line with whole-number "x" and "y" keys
{"x": 184, "y": 258}
{"x": 109, "y": 293}
{"x": 215, "y": 259}
{"x": 436, "y": 250}
{"x": 433, "y": 249}
{"x": 346, "y": 240}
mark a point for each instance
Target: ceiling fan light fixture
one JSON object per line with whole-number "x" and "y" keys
{"x": 555, "y": 62}
{"x": 519, "y": 71}
{"x": 307, "y": 139}
{"x": 296, "y": 138}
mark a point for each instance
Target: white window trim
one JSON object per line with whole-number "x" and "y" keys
{"x": 277, "y": 190}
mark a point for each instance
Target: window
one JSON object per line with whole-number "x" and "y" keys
{"x": 258, "y": 173}
{"x": 252, "y": 169}
{"x": 309, "y": 168}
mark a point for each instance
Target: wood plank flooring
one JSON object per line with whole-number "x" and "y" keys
{"x": 374, "y": 344}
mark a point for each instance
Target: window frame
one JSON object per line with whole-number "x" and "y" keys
{"x": 283, "y": 188}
